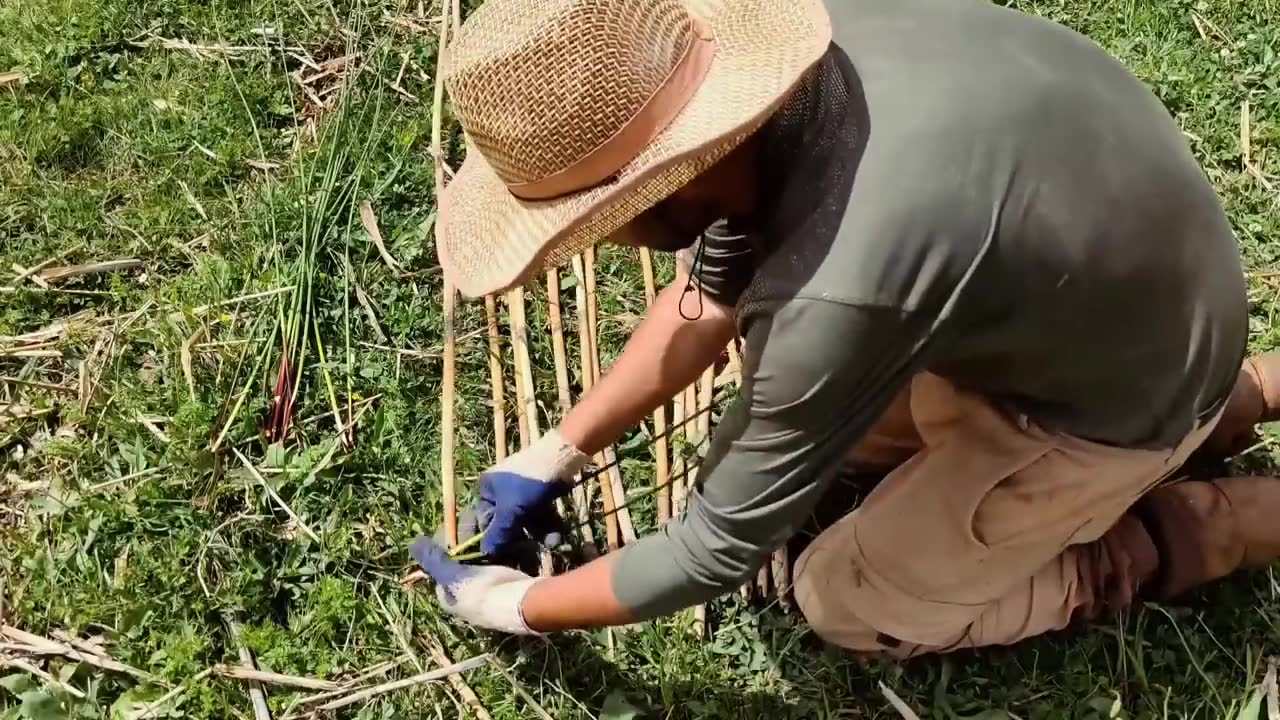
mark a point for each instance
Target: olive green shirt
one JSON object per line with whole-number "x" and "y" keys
{"x": 964, "y": 189}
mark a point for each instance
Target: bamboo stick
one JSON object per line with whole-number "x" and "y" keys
{"x": 588, "y": 380}
{"x": 705, "y": 392}
{"x": 579, "y": 493}
{"x": 522, "y": 422}
{"x": 460, "y": 685}
{"x": 557, "y": 340}
{"x": 691, "y": 428}
{"x": 589, "y": 263}
{"x": 496, "y": 380}
{"x": 429, "y": 676}
{"x": 348, "y": 686}
{"x": 44, "y": 646}
{"x": 245, "y": 671}
{"x": 26, "y": 667}
{"x": 526, "y": 396}
{"x": 661, "y": 453}
{"x": 448, "y": 494}
{"x": 677, "y": 460}
{"x": 584, "y": 325}
{"x": 257, "y": 695}
{"x": 617, "y": 495}
{"x": 528, "y": 407}
{"x": 516, "y": 685}
{"x": 625, "y": 526}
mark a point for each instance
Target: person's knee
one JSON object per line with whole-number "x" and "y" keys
{"x": 847, "y": 610}
{"x": 820, "y": 584}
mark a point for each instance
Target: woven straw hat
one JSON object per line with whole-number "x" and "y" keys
{"x": 581, "y": 114}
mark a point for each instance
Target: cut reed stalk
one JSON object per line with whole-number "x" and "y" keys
{"x": 429, "y": 676}
{"x": 448, "y": 493}
{"x": 617, "y": 492}
{"x": 565, "y": 397}
{"x": 588, "y": 380}
{"x": 496, "y": 379}
{"x": 625, "y": 527}
{"x": 691, "y": 428}
{"x": 257, "y": 694}
{"x": 661, "y": 455}
{"x": 589, "y": 263}
{"x": 460, "y": 686}
{"x": 525, "y": 393}
{"x": 677, "y": 460}
{"x": 705, "y": 391}
{"x": 520, "y": 348}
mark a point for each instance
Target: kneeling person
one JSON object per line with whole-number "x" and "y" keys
{"x": 957, "y": 240}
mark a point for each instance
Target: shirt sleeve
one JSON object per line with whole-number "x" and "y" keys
{"x": 818, "y": 374}
{"x": 721, "y": 263}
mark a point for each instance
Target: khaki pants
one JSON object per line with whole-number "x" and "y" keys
{"x": 990, "y": 530}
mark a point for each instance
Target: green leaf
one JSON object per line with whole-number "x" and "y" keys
{"x": 428, "y": 225}
{"x": 1252, "y": 708}
{"x": 616, "y": 707}
{"x": 277, "y": 456}
{"x": 639, "y": 440}
{"x": 39, "y": 705}
{"x": 136, "y": 700}
{"x": 57, "y": 500}
{"x": 17, "y": 684}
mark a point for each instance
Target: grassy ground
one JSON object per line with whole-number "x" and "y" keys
{"x": 231, "y": 166}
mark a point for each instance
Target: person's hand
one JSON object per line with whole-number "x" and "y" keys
{"x": 516, "y": 506}
{"x": 487, "y": 596}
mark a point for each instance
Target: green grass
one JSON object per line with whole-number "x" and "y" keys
{"x": 117, "y": 146}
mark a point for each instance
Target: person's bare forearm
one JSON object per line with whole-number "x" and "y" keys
{"x": 666, "y": 353}
{"x": 580, "y": 599}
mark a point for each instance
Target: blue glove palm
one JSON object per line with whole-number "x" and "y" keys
{"x": 516, "y": 509}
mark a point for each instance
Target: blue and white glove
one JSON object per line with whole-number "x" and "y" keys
{"x": 488, "y": 596}
{"x": 517, "y": 498}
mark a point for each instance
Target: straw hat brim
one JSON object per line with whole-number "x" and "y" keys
{"x": 488, "y": 240}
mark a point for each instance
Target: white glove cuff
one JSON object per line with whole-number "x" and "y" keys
{"x": 524, "y": 626}
{"x": 550, "y": 458}
{"x": 494, "y": 600}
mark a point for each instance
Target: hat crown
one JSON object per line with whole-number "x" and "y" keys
{"x": 539, "y": 84}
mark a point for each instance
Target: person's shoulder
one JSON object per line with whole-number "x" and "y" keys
{"x": 944, "y": 66}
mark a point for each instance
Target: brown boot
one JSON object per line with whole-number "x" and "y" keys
{"x": 1254, "y": 399}
{"x": 1206, "y": 530}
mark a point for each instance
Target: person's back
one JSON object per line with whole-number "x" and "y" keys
{"x": 1045, "y": 204}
